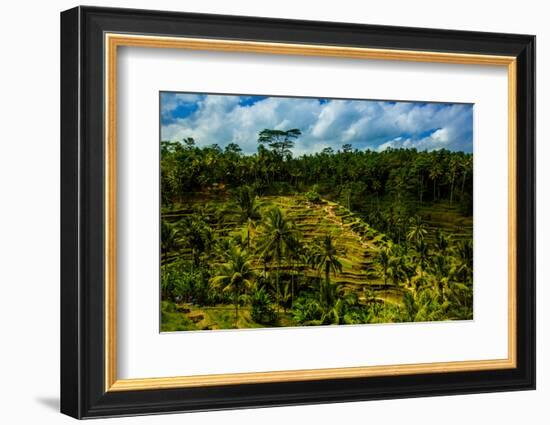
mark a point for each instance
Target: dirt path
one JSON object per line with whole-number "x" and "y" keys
{"x": 331, "y": 215}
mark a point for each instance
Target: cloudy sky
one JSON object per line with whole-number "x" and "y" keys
{"x": 365, "y": 124}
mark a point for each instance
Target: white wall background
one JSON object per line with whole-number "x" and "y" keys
{"x": 29, "y": 213}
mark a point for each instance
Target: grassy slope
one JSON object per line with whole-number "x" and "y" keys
{"x": 356, "y": 251}
{"x": 448, "y": 218}
{"x": 189, "y": 317}
{"x": 436, "y": 215}
{"x": 355, "y": 241}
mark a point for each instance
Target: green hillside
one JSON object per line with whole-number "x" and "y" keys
{"x": 346, "y": 237}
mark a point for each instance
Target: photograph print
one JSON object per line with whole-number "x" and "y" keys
{"x": 299, "y": 211}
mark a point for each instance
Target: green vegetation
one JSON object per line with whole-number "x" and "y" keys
{"x": 345, "y": 237}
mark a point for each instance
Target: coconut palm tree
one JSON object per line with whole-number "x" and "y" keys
{"x": 440, "y": 267}
{"x": 409, "y": 270}
{"x": 417, "y": 230}
{"x": 465, "y": 251}
{"x": 396, "y": 268}
{"x": 326, "y": 257}
{"x": 330, "y": 306}
{"x": 442, "y": 241}
{"x": 410, "y": 307}
{"x": 383, "y": 258}
{"x": 198, "y": 234}
{"x": 422, "y": 255}
{"x": 278, "y": 237}
{"x": 334, "y": 304}
{"x": 248, "y": 209}
{"x": 454, "y": 166}
{"x": 220, "y": 249}
{"x": 236, "y": 276}
{"x": 466, "y": 167}
{"x": 436, "y": 171}
{"x": 169, "y": 239}
{"x": 261, "y": 311}
{"x": 294, "y": 257}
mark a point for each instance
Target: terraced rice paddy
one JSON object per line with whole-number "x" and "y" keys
{"x": 356, "y": 243}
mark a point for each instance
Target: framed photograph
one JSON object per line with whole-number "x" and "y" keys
{"x": 261, "y": 212}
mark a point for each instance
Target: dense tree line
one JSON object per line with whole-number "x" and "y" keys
{"x": 349, "y": 174}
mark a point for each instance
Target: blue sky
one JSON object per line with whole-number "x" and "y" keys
{"x": 365, "y": 124}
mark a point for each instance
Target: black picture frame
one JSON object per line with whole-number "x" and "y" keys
{"x": 83, "y": 392}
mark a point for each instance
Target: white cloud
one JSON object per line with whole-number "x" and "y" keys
{"x": 364, "y": 124}
{"x": 398, "y": 142}
{"x": 386, "y": 145}
{"x": 171, "y": 101}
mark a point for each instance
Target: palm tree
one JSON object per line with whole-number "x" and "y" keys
{"x": 247, "y": 209}
{"x": 169, "y": 239}
{"x": 410, "y": 307}
{"x": 435, "y": 173}
{"x": 220, "y": 249}
{"x": 236, "y": 276}
{"x": 383, "y": 259}
{"x": 294, "y": 256}
{"x": 346, "y": 193}
{"x": 440, "y": 270}
{"x": 326, "y": 258}
{"x": 334, "y": 304}
{"x": 261, "y": 311}
{"x": 278, "y": 236}
{"x": 442, "y": 241}
{"x": 417, "y": 231}
{"x": 422, "y": 255}
{"x": 453, "y": 167}
{"x": 465, "y": 251}
{"x": 467, "y": 167}
{"x": 395, "y": 270}
{"x": 198, "y": 234}
{"x": 421, "y": 165}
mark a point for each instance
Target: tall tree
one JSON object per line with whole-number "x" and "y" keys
{"x": 326, "y": 257}
{"x": 436, "y": 171}
{"x": 454, "y": 165}
{"x": 383, "y": 258}
{"x": 189, "y": 142}
{"x": 347, "y": 148}
{"x": 278, "y": 236}
{"x": 248, "y": 209}
{"x": 466, "y": 166}
{"x": 442, "y": 241}
{"x": 236, "y": 276}
{"x": 169, "y": 239}
{"x": 465, "y": 251}
{"x": 417, "y": 230}
{"x": 233, "y": 148}
{"x": 422, "y": 255}
{"x": 198, "y": 235}
{"x": 421, "y": 165}
{"x": 281, "y": 142}
{"x": 295, "y": 255}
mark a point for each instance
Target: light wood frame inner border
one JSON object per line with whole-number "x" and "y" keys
{"x": 113, "y": 41}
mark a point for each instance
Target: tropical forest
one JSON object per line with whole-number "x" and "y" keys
{"x": 339, "y": 236}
